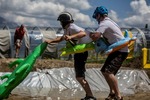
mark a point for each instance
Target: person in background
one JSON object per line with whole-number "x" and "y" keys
{"x": 75, "y": 35}
{"x": 108, "y": 29}
{"x": 18, "y": 37}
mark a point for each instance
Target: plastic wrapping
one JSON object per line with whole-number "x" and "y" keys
{"x": 61, "y": 82}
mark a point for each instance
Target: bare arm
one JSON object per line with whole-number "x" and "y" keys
{"x": 95, "y": 35}
{"x": 56, "y": 40}
{"x": 78, "y": 35}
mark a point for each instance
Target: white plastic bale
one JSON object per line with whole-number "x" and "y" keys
{"x": 61, "y": 82}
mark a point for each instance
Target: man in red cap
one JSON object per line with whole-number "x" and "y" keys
{"x": 19, "y": 34}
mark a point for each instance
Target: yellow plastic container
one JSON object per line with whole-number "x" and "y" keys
{"x": 145, "y": 64}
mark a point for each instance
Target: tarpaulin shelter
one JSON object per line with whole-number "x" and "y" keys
{"x": 33, "y": 37}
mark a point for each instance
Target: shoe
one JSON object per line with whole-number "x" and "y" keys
{"x": 116, "y": 98}
{"x": 110, "y": 97}
{"x": 89, "y": 98}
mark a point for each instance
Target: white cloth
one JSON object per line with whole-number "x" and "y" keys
{"x": 74, "y": 29}
{"x": 111, "y": 31}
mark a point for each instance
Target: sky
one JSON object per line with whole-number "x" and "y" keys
{"x": 126, "y": 13}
